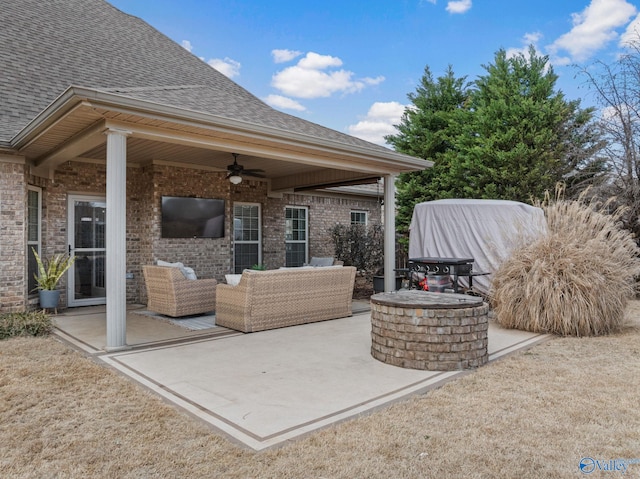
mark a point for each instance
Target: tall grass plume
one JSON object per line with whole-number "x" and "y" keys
{"x": 573, "y": 281}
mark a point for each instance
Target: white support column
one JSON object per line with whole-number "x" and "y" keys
{"x": 389, "y": 233}
{"x": 116, "y": 240}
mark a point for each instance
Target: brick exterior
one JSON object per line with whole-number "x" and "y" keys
{"x": 210, "y": 258}
{"x": 429, "y": 337}
{"x": 13, "y": 265}
{"x": 324, "y": 213}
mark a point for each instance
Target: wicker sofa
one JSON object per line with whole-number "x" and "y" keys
{"x": 169, "y": 292}
{"x": 285, "y": 297}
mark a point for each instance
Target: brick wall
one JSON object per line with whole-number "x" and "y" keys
{"x": 70, "y": 177}
{"x": 210, "y": 258}
{"x": 13, "y": 268}
{"x": 324, "y": 214}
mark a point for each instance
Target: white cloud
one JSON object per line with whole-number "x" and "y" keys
{"x": 373, "y": 81}
{"x": 527, "y": 40}
{"x": 228, "y": 67}
{"x": 458, "y": 6}
{"x": 379, "y": 122}
{"x": 593, "y": 28}
{"x": 632, "y": 33}
{"x": 282, "y": 56}
{"x": 314, "y": 76}
{"x": 314, "y": 61}
{"x": 284, "y": 103}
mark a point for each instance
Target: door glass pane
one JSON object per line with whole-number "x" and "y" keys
{"x": 90, "y": 275}
{"x": 90, "y": 220}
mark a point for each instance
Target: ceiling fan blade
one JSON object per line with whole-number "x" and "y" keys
{"x": 238, "y": 170}
{"x": 253, "y": 173}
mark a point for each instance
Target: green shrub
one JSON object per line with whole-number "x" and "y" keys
{"x": 31, "y": 323}
{"x": 573, "y": 281}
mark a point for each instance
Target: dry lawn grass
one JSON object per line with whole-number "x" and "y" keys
{"x": 533, "y": 414}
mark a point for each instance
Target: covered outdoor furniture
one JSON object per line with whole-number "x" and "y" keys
{"x": 285, "y": 297}
{"x": 485, "y": 230}
{"x": 169, "y": 292}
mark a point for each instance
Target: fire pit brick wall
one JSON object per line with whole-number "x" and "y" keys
{"x": 430, "y": 338}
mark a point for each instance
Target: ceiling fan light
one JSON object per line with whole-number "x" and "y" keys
{"x": 235, "y": 179}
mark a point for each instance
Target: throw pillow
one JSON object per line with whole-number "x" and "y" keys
{"x": 232, "y": 279}
{"x": 188, "y": 273}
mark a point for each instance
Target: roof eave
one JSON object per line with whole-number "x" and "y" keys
{"x": 75, "y": 95}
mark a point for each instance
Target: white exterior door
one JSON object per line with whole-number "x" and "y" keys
{"x": 87, "y": 228}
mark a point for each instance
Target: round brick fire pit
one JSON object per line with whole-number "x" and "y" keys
{"x": 433, "y": 331}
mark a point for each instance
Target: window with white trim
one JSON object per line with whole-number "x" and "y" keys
{"x": 247, "y": 236}
{"x": 296, "y": 234}
{"x": 358, "y": 217}
{"x": 34, "y": 233}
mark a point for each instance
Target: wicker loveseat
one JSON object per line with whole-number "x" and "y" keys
{"x": 169, "y": 292}
{"x": 285, "y": 297}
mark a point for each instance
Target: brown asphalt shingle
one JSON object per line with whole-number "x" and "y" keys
{"x": 46, "y": 46}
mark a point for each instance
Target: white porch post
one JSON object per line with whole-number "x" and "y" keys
{"x": 116, "y": 239}
{"x": 389, "y": 233}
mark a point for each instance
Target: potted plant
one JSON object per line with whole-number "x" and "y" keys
{"x": 49, "y": 273}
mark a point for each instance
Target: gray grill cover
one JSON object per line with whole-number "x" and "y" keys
{"x": 486, "y": 230}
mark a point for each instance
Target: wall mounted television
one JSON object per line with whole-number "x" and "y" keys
{"x": 187, "y": 217}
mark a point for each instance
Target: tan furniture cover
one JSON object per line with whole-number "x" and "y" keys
{"x": 285, "y": 297}
{"x": 169, "y": 292}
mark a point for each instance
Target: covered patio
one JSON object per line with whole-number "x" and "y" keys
{"x": 126, "y": 134}
{"x": 124, "y": 118}
{"x": 264, "y": 389}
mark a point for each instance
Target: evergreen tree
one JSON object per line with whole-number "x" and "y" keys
{"x": 511, "y": 135}
{"x": 426, "y": 131}
{"x": 524, "y": 136}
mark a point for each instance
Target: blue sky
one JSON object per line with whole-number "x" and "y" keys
{"x": 350, "y": 65}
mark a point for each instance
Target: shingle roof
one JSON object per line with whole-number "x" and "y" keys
{"x": 46, "y": 46}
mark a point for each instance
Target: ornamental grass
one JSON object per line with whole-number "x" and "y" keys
{"x": 29, "y": 323}
{"x": 573, "y": 281}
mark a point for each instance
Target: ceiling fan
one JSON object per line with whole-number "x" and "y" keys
{"x": 235, "y": 172}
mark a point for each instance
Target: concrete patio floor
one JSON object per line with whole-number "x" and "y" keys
{"x": 263, "y": 389}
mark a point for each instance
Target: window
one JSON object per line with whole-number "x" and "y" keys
{"x": 34, "y": 222}
{"x": 358, "y": 217}
{"x": 295, "y": 235}
{"x": 247, "y": 236}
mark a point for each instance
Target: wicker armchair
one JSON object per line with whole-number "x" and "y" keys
{"x": 170, "y": 293}
{"x": 285, "y": 297}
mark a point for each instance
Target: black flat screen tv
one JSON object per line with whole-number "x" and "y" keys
{"x": 185, "y": 217}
